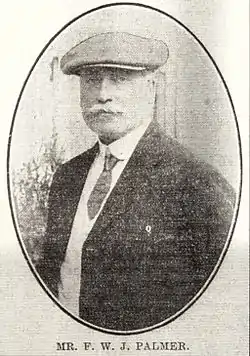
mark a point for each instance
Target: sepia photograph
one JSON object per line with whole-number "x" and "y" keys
{"x": 124, "y": 169}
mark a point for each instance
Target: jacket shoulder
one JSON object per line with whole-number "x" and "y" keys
{"x": 75, "y": 165}
{"x": 206, "y": 193}
{"x": 197, "y": 184}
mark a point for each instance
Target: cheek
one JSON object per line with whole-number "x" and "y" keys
{"x": 145, "y": 91}
{"x": 134, "y": 98}
{"x": 87, "y": 96}
{"x": 127, "y": 95}
{"x": 142, "y": 89}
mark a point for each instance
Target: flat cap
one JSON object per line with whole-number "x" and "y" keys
{"x": 115, "y": 49}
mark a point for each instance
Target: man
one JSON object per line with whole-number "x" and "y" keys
{"x": 136, "y": 224}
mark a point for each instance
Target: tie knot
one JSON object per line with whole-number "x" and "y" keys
{"x": 110, "y": 160}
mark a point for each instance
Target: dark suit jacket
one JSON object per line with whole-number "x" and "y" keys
{"x": 133, "y": 278}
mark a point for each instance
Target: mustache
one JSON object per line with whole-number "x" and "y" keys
{"x": 106, "y": 109}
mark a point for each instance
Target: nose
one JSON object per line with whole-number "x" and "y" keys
{"x": 105, "y": 90}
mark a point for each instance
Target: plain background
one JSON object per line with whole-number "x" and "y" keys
{"x": 30, "y": 323}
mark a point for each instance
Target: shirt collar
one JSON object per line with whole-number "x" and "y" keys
{"x": 124, "y": 147}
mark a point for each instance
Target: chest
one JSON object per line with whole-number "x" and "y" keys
{"x": 138, "y": 231}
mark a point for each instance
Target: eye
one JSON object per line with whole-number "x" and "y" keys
{"x": 122, "y": 78}
{"x": 119, "y": 76}
{"x": 90, "y": 78}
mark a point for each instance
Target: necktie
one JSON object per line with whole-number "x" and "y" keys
{"x": 102, "y": 186}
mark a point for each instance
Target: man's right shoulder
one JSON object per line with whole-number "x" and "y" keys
{"x": 76, "y": 164}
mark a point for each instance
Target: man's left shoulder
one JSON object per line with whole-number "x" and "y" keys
{"x": 198, "y": 174}
{"x": 193, "y": 177}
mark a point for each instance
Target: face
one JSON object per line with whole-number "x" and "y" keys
{"x": 115, "y": 101}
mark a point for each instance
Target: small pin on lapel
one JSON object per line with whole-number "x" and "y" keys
{"x": 148, "y": 229}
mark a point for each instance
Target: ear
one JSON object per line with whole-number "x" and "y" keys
{"x": 152, "y": 85}
{"x": 151, "y": 80}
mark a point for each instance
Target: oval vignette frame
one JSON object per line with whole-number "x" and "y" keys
{"x": 237, "y": 204}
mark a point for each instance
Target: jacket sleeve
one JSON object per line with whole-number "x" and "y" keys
{"x": 47, "y": 266}
{"x": 210, "y": 206}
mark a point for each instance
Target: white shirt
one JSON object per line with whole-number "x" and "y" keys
{"x": 69, "y": 286}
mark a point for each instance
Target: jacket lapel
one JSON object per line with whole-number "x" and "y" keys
{"x": 137, "y": 171}
{"x": 73, "y": 185}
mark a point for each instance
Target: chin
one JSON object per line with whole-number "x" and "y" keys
{"x": 107, "y": 128}
{"x": 110, "y": 135}
{"x": 112, "y": 127}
